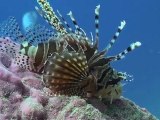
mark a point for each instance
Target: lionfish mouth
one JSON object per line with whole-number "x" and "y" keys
{"x": 70, "y": 62}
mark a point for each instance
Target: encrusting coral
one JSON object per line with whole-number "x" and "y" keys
{"x": 24, "y": 97}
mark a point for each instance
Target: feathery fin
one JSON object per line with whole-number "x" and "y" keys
{"x": 50, "y": 16}
{"x": 10, "y": 28}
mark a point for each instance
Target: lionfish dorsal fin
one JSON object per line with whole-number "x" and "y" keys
{"x": 97, "y": 25}
{"x": 49, "y": 15}
{"x": 78, "y": 29}
{"x": 65, "y": 22}
{"x": 132, "y": 47}
{"x": 65, "y": 73}
{"x": 95, "y": 43}
{"x": 114, "y": 38}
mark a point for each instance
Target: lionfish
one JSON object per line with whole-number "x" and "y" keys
{"x": 69, "y": 62}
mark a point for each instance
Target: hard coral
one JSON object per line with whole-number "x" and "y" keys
{"x": 24, "y": 97}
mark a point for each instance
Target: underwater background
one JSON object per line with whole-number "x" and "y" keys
{"x": 143, "y": 23}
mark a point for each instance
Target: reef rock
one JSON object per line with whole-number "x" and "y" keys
{"x": 24, "y": 97}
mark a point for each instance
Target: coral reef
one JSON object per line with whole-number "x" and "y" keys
{"x": 24, "y": 97}
{"x": 42, "y": 73}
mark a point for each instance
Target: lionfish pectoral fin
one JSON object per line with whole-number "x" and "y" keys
{"x": 65, "y": 73}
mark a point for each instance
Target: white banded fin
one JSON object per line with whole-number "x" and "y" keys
{"x": 78, "y": 29}
{"x": 97, "y": 23}
{"x": 132, "y": 47}
{"x": 116, "y": 35}
{"x": 65, "y": 22}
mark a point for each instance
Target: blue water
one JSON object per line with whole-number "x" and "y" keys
{"x": 143, "y": 24}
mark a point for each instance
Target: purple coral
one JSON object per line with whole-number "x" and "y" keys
{"x": 24, "y": 97}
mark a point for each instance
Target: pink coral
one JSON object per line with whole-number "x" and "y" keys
{"x": 30, "y": 108}
{"x": 23, "y": 96}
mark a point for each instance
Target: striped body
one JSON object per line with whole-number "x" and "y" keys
{"x": 38, "y": 54}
